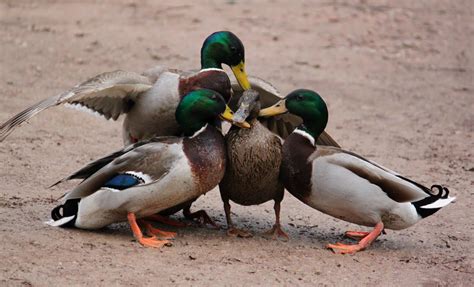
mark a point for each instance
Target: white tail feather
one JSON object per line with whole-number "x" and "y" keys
{"x": 60, "y": 222}
{"x": 442, "y": 202}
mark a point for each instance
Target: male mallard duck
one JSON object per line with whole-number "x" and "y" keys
{"x": 151, "y": 176}
{"x": 149, "y": 100}
{"x": 345, "y": 185}
{"x": 268, "y": 95}
{"x": 254, "y": 156}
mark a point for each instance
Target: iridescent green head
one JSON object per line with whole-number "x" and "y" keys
{"x": 198, "y": 108}
{"x": 306, "y": 104}
{"x": 224, "y": 47}
{"x": 201, "y": 107}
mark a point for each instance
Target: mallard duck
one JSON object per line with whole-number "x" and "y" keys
{"x": 149, "y": 100}
{"x": 268, "y": 95}
{"x": 150, "y": 176}
{"x": 345, "y": 185}
{"x": 254, "y": 156}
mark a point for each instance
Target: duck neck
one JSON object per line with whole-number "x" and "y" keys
{"x": 206, "y": 155}
{"x": 311, "y": 130}
{"x": 194, "y": 128}
{"x": 207, "y": 61}
{"x": 199, "y": 131}
{"x": 303, "y": 131}
{"x": 296, "y": 170}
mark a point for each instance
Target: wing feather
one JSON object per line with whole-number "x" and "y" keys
{"x": 96, "y": 165}
{"x": 160, "y": 154}
{"x": 396, "y": 187}
{"x": 110, "y": 94}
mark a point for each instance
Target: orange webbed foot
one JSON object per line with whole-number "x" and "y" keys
{"x": 153, "y": 242}
{"x": 152, "y": 231}
{"x": 365, "y": 242}
{"x": 145, "y": 241}
{"x": 340, "y": 248}
{"x": 357, "y": 235}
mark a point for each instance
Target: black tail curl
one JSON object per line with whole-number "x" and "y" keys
{"x": 69, "y": 208}
{"x": 436, "y": 192}
{"x": 443, "y": 192}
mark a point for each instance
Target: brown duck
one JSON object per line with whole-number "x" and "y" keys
{"x": 254, "y": 156}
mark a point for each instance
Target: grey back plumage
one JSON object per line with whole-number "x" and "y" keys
{"x": 152, "y": 158}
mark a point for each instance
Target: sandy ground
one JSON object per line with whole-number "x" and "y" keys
{"x": 398, "y": 80}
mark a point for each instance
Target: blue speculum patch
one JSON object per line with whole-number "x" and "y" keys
{"x": 122, "y": 181}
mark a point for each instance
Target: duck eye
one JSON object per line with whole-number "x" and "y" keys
{"x": 299, "y": 97}
{"x": 233, "y": 48}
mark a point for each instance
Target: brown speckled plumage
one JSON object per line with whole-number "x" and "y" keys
{"x": 254, "y": 158}
{"x": 252, "y": 174}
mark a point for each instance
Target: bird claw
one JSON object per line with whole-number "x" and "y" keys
{"x": 202, "y": 218}
{"x": 277, "y": 233}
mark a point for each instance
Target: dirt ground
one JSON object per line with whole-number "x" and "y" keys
{"x": 398, "y": 79}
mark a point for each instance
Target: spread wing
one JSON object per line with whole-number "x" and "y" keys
{"x": 155, "y": 72}
{"x": 281, "y": 125}
{"x": 110, "y": 94}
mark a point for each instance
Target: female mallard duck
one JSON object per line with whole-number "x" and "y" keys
{"x": 254, "y": 157}
{"x": 151, "y": 176}
{"x": 344, "y": 184}
{"x": 149, "y": 100}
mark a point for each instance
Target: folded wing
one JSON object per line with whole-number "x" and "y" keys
{"x": 151, "y": 159}
{"x": 395, "y": 186}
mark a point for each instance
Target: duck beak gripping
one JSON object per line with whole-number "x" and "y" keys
{"x": 247, "y": 103}
{"x": 241, "y": 75}
{"x": 242, "y": 113}
{"x": 275, "y": 110}
{"x": 228, "y": 116}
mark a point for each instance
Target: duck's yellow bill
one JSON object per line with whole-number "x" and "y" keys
{"x": 275, "y": 110}
{"x": 228, "y": 116}
{"x": 241, "y": 75}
